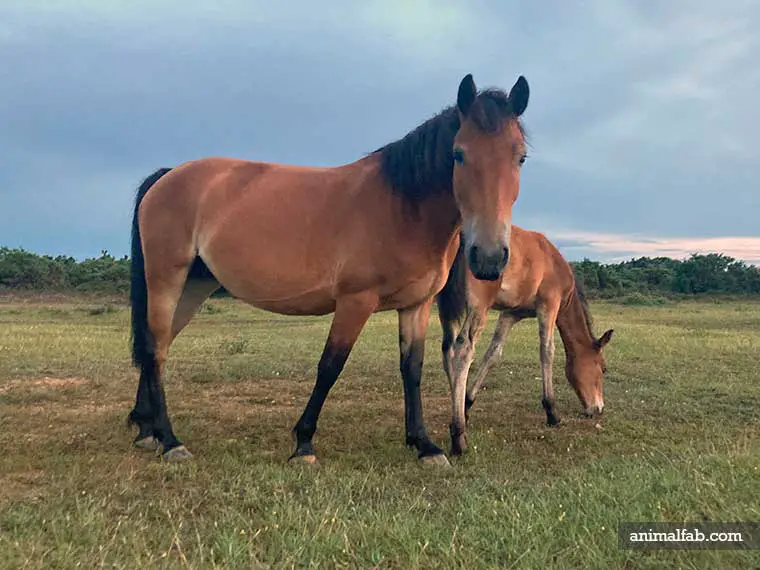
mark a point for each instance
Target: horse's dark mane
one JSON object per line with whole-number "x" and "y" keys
{"x": 421, "y": 163}
{"x": 581, "y": 294}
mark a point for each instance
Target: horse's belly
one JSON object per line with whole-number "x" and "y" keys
{"x": 269, "y": 282}
{"x": 311, "y": 303}
{"x": 285, "y": 298}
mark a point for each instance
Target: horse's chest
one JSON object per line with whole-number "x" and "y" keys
{"x": 515, "y": 293}
{"x": 509, "y": 293}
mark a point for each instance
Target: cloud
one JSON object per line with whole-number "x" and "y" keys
{"x": 620, "y": 247}
{"x": 682, "y": 86}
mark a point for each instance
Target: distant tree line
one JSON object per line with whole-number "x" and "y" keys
{"x": 710, "y": 274}
{"x": 644, "y": 277}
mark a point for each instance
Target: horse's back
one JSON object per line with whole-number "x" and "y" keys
{"x": 285, "y": 238}
{"x": 557, "y": 276}
{"x": 536, "y": 273}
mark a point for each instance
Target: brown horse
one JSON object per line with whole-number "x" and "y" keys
{"x": 377, "y": 234}
{"x": 538, "y": 282}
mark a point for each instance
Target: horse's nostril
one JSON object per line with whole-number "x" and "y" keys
{"x": 505, "y": 255}
{"x": 474, "y": 251}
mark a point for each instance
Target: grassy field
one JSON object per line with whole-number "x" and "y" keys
{"x": 679, "y": 442}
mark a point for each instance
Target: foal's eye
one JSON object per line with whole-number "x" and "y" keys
{"x": 458, "y": 156}
{"x": 523, "y": 158}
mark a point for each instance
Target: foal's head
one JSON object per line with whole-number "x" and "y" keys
{"x": 585, "y": 372}
{"x": 489, "y": 150}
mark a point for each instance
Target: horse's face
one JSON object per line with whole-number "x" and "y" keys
{"x": 489, "y": 150}
{"x": 585, "y": 373}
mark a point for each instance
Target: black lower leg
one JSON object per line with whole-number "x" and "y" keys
{"x": 458, "y": 438}
{"x": 412, "y": 355}
{"x": 552, "y": 417}
{"x": 468, "y": 402}
{"x": 330, "y": 366}
{"x": 142, "y": 414}
{"x": 160, "y": 423}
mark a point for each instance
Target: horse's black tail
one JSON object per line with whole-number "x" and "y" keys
{"x": 452, "y": 300}
{"x": 138, "y": 294}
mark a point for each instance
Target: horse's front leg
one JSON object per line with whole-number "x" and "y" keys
{"x": 412, "y": 328}
{"x": 463, "y": 354}
{"x": 351, "y": 314}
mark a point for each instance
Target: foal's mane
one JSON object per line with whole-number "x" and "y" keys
{"x": 580, "y": 293}
{"x": 421, "y": 163}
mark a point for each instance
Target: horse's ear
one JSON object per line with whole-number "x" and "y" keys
{"x": 604, "y": 339}
{"x": 519, "y": 95}
{"x": 467, "y": 94}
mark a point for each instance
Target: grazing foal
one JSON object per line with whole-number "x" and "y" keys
{"x": 374, "y": 235}
{"x": 538, "y": 282}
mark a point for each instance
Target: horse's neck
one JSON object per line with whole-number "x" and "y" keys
{"x": 440, "y": 216}
{"x": 573, "y": 326}
{"x": 431, "y": 221}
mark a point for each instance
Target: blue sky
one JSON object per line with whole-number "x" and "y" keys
{"x": 644, "y": 116}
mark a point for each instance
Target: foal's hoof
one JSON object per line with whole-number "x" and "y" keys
{"x": 177, "y": 454}
{"x": 308, "y": 460}
{"x": 149, "y": 443}
{"x": 458, "y": 445}
{"x": 438, "y": 460}
{"x": 553, "y": 420}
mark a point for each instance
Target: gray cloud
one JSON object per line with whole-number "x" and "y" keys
{"x": 642, "y": 116}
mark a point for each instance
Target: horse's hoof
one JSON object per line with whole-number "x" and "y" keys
{"x": 459, "y": 444}
{"x": 148, "y": 443}
{"x": 309, "y": 460}
{"x": 438, "y": 460}
{"x": 177, "y": 454}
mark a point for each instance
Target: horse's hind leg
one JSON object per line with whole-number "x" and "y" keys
{"x": 174, "y": 293}
{"x": 198, "y": 287}
{"x": 196, "y": 290}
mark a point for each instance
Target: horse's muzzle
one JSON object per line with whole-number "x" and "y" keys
{"x": 594, "y": 411}
{"x": 487, "y": 265}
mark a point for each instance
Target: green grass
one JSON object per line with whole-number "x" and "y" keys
{"x": 679, "y": 442}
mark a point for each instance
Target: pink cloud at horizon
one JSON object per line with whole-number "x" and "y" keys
{"x": 622, "y": 247}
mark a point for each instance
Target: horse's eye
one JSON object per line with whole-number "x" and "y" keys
{"x": 523, "y": 158}
{"x": 458, "y": 156}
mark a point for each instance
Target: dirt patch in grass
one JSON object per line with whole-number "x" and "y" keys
{"x": 27, "y": 486}
{"x": 44, "y": 383}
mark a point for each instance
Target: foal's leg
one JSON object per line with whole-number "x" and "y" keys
{"x": 447, "y": 343}
{"x": 351, "y": 314}
{"x": 547, "y": 317}
{"x": 464, "y": 353}
{"x": 412, "y": 328}
{"x": 503, "y": 326}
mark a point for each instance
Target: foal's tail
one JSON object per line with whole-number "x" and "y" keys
{"x": 138, "y": 294}
{"x": 452, "y": 300}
